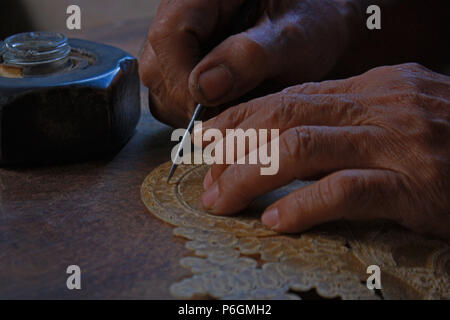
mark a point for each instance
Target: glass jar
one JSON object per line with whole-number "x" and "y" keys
{"x": 37, "y": 53}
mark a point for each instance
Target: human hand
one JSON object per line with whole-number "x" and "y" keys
{"x": 293, "y": 42}
{"x": 382, "y": 141}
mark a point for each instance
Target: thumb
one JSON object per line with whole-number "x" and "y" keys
{"x": 235, "y": 67}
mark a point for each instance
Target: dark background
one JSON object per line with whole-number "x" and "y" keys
{"x": 50, "y": 15}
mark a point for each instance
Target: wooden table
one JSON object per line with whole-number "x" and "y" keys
{"x": 91, "y": 215}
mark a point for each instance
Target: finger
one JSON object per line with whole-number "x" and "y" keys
{"x": 303, "y": 152}
{"x": 148, "y": 66}
{"x": 179, "y": 30}
{"x": 289, "y": 109}
{"x": 349, "y": 194}
{"x": 332, "y": 144}
{"x": 284, "y": 112}
{"x": 236, "y": 66}
{"x": 153, "y": 77}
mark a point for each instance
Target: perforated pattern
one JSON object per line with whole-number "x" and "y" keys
{"x": 238, "y": 258}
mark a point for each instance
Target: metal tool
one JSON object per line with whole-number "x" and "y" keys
{"x": 246, "y": 18}
{"x": 197, "y": 115}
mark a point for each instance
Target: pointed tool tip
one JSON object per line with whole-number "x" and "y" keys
{"x": 171, "y": 172}
{"x": 197, "y": 115}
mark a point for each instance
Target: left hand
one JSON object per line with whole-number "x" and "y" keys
{"x": 382, "y": 141}
{"x": 292, "y": 42}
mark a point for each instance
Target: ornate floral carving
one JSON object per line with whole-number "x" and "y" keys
{"x": 238, "y": 258}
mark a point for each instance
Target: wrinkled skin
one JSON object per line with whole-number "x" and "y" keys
{"x": 293, "y": 42}
{"x": 378, "y": 141}
{"x": 381, "y": 140}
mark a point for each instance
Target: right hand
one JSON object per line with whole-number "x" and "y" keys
{"x": 294, "y": 41}
{"x": 378, "y": 143}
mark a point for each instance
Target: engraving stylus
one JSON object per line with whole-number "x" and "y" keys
{"x": 198, "y": 113}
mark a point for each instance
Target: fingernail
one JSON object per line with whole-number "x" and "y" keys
{"x": 210, "y": 197}
{"x": 271, "y": 218}
{"x": 207, "y": 183}
{"x": 215, "y": 83}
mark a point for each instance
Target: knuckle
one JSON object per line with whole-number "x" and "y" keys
{"x": 305, "y": 138}
{"x": 413, "y": 66}
{"x": 326, "y": 191}
{"x": 290, "y": 212}
{"x": 411, "y": 84}
{"x": 247, "y": 51}
{"x": 404, "y": 68}
{"x": 156, "y": 94}
{"x": 176, "y": 115}
{"x": 149, "y": 68}
{"x": 240, "y": 113}
{"x": 234, "y": 114}
{"x": 297, "y": 142}
{"x": 305, "y": 88}
{"x": 297, "y": 201}
{"x": 293, "y": 31}
{"x": 298, "y": 89}
{"x": 289, "y": 145}
{"x": 382, "y": 71}
{"x": 192, "y": 21}
{"x": 401, "y": 78}
{"x": 180, "y": 17}
{"x": 350, "y": 187}
{"x": 414, "y": 126}
{"x": 410, "y": 96}
{"x": 409, "y": 77}
{"x": 250, "y": 46}
{"x": 156, "y": 109}
{"x": 159, "y": 30}
{"x": 285, "y": 112}
{"x": 344, "y": 107}
{"x": 156, "y": 85}
{"x": 326, "y": 87}
{"x": 232, "y": 187}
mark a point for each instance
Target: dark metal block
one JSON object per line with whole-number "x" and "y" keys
{"x": 71, "y": 116}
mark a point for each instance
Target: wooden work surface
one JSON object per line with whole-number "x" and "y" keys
{"x": 90, "y": 214}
